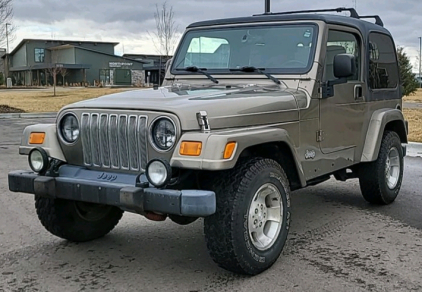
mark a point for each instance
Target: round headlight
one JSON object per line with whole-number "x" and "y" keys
{"x": 38, "y": 160}
{"x": 158, "y": 172}
{"x": 163, "y": 134}
{"x": 69, "y": 128}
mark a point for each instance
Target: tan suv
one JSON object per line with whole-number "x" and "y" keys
{"x": 251, "y": 109}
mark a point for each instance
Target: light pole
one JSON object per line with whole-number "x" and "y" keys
{"x": 420, "y": 53}
{"x": 267, "y": 6}
{"x": 7, "y": 37}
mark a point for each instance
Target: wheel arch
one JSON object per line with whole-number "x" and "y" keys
{"x": 381, "y": 121}
{"x": 268, "y": 142}
{"x": 281, "y": 152}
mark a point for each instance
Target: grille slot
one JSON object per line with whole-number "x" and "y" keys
{"x": 114, "y": 141}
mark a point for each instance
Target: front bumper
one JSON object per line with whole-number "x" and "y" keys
{"x": 115, "y": 189}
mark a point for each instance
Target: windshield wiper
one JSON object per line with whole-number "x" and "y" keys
{"x": 258, "y": 70}
{"x": 199, "y": 70}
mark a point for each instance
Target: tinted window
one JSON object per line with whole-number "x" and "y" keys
{"x": 340, "y": 42}
{"x": 383, "y": 69}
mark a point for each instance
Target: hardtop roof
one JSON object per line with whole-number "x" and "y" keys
{"x": 362, "y": 25}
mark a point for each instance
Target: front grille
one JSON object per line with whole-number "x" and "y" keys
{"x": 114, "y": 141}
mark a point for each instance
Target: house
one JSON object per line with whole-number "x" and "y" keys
{"x": 34, "y": 61}
{"x": 154, "y": 66}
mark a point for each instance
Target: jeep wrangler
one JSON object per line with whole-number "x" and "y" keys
{"x": 251, "y": 109}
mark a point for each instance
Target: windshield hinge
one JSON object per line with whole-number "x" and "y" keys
{"x": 202, "y": 118}
{"x": 320, "y": 135}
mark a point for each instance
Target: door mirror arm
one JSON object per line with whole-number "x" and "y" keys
{"x": 328, "y": 87}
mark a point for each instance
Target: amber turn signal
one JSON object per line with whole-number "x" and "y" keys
{"x": 36, "y": 138}
{"x": 228, "y": 152}
{"x": 190, "y": 148}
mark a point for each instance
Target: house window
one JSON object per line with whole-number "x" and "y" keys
{"x": 39, "y": 55}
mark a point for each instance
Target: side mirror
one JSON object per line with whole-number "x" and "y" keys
{"x": 344, "y": 66}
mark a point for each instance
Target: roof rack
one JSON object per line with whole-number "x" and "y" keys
{"x": 352, "y": 11}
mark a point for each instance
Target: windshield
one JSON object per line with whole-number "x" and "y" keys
{"x": 276, "y": 49}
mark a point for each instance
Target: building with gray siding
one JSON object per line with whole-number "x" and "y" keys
{"x": 34, "y": 61}
{"x": 154, "y": 66}
{"x": 2, "y": 68}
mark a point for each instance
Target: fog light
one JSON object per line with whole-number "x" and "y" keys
{"x": 38, "y": 160}
{"x": 158, "y": 172}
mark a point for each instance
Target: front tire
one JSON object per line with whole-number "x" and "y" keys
{"x": 249, "y": 229}
{"x": 76, "y": 221}
{"x": 380, "y": 180}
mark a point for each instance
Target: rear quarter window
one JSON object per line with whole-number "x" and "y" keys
{"x": 383, "y": 68}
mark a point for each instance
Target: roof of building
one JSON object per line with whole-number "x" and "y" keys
{"x": 145, "y": 56}
{"x": 362, "y": 25}
{"x": 91, "y": 50}
{"x": 60, "y": 41}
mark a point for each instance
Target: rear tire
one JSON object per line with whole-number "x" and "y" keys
{"x": 76, "y": 221}
{"x": 249, "y": 229}
{"x": 380, "y": 180}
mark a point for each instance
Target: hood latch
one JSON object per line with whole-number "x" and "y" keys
{"x": 202, "y": 118}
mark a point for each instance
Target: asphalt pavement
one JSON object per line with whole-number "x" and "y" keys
{"x": 337, "y": 242}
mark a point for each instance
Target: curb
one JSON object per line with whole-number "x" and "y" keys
{"x": 28, "y": 115}
{"x": 414, "y": 149}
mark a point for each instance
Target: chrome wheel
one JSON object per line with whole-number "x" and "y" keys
{"x": 265, "y": 216}
{"x": 392, "y": 168}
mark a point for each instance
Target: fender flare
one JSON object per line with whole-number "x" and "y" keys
{"x": 379, "y": 120}
{"x": 51, "y": 144}
{"x": 213, "y": 145}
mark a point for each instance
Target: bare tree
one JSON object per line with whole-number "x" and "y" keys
{"x": 166, "y": 34}
{"x": 6, "y": 27}
{"x": 54, "y": 69}
{"x": 64, "y": 73}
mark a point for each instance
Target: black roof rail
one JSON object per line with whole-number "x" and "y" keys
{"x": 352, "y": 11}
{"x": 376, "y": 17}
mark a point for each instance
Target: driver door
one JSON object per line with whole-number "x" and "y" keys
{"x": 342, "y": 115}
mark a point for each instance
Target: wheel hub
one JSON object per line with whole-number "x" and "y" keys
{"x": 392, "y": 168}
{"x": 265, "y": 216}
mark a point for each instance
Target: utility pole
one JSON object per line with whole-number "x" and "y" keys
{"x": 267, "y": 6}
{"x": 420, "y": 53}
{"x": 7, "y": 38}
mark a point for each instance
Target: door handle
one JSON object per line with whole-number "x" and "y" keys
{"x": 358, "y": 92}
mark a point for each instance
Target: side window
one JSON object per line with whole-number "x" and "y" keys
{"x": 340, "y": 42}
{"x": 383, "y": 69}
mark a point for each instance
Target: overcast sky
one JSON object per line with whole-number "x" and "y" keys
{"x": 127, "y": 21}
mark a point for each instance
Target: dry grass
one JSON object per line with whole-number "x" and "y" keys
{"x": 417, "y": 97}
{"x": 43, "y": 100}
{"x": 414, "y": 116}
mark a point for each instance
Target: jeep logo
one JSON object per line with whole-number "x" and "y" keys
{"x": 310, "y": 154}
{"x": 107, "y": 177}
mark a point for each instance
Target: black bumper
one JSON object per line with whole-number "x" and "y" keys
{"x": 114, "y": 189}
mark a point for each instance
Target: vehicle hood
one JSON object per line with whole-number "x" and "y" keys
{"x": 226, "y": 107}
